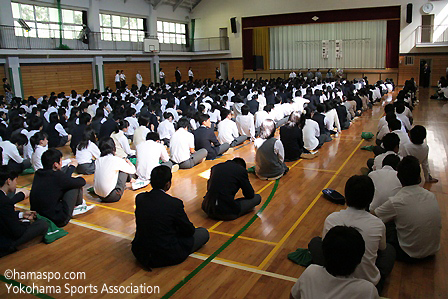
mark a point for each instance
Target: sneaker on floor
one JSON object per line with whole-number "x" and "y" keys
{"x": 138, "y": 184}
{"x": 81, "y": 209}
{"x": 309, "y": 155}
{"x": 175, "y": 168}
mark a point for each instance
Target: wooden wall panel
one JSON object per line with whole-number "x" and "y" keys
{"x": 438, "y": 68}
{"x": 202, "y": 69}
{"x": 40, "y": 79}
{"x": 130, "y": 69}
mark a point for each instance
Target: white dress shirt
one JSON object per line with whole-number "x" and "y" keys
{"x": 166, "y": 129}
{"x": 227, "y": 131}
{"x": 36, "y": 157}
{"x": 133, "y": 124}
{"x": 148, "y": 154}
{"x": 373, "y": 232}
{"x": 310, "y": 134}
{"x": 180, "y": 144}
{"x": 246, "y": 125}
{"x": 378, "y": 161}
{"x": 260, "y": 117}
{"x": 316, "y": 282}
{"x": 386, "y": 185}
{"x": 107, "y": 169}
{"x": 85, "y": 155}
{"x": 420, "y": 151}
{"x": 332, "y": 120}
{"x": 10, "y": 151}
{"x": 416, "y": 214}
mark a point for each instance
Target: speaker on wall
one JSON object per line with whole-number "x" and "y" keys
{"x": 409, "y": 13}
{"x": 233, "y": 24}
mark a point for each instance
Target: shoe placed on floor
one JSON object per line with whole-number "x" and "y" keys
{"x": 175, "y": 168}
{"x": 138, "y": 184}
{"x": 81, "y": 209}
{"x": 309, "y": 156}
{"x": 203, "y": 160}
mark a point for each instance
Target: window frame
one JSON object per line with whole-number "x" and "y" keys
{"x": 172, "y": 32}
{"x": 37, "y": 30}
{"x": 122, "y": 33}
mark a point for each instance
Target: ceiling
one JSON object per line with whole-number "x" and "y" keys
{"x": 188, "y": 4}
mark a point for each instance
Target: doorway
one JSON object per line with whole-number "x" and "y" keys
{"x": 427, "y": 28}
{"x": 224, "y": 67}
{"x": 425, "y": 77}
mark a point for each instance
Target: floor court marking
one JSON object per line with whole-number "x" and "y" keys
{"x": 223, "y": 247}
{"x": 243, "y": 237}
{"x": 286, "y": 236}
{"x": 317, "y": 169}
{"x": 197, "y": 255}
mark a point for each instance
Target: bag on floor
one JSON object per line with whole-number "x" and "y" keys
{"x": 334, "y": 196}
{"x": 54, "y": 232}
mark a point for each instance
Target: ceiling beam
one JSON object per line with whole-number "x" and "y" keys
{"x": 179, "y": 2}
{"x": 194, "y": 6}
{"x": 156, "y": 4}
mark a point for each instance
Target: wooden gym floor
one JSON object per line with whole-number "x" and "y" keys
{"x": 250, "y": 263}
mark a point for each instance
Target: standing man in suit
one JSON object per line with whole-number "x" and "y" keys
{"x": 204, "y": 137}
{"x": 178, "y": 75}
{"x": 225, "y": 180}
{"x": 16, "y": 228}
{"x": 426, "y": 75}
{"x": 218, "y": 73}
{"x": 164, "y": 235}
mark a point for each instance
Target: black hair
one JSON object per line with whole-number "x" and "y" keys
{"x": 359, "y": 191}
{"x": 183, "y": 122}
{"x": 87, "y": 135}
{"x": 36, "y": 138}
{"x": 19, "y": 139}
{"x": 99, "y": 114}
{"x": 160, "y": 176}
{"x": 35, "y": 123}
{"x": 417, "y": 134}
{"x": 154, "y": 136}
{"x": 143, "y": 120}
{"x": 245, "y": 110}
{"x": 54, "y": 117}
{"x": 343, "y": 248}
{"x": 84, "y": 118}
{"x": 389, "y": 108}
{"x": 5, "y": 174}
{"x": 391, "y": 141}
{"x": 240, "y": 161}
{"x": 394, "y": 124}
{"x": 391, "y": 160}
{"x": 131, "y": 111}
{"x": 203, "y": 117}
{"x": 167, "y": 115}
{"x": 408, "y": 171}
{"x": 224, "y": 113}
{"x": 49, "y": 157}
{"x": 320, "y": 108}
{"x": 107, "y": 146}
{"x": 400, "y": 107}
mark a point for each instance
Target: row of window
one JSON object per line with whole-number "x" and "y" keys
{"x": 44, "y": 23}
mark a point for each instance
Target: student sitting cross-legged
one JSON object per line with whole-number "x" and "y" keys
{"x": 111, "y": 172}
{"x": 225, "y": 180}
{"x": 54, "y": 193}
{"x": 164, "y": 235}
{"x": 16, "y": 228}
{"x": 228, "y": 131}
{"x": 149, "y": 153}
{"x": 204, "y": 138}
{"x": 378, "y": 259}
{"x": 182, "y": 147}
{"x": 86, "y": 151}
{"x": 343, "y": 250}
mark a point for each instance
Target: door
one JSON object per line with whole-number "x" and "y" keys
{"x": 224, "y": 70}
{"x": 425, "y": 78}
{"x": 427, "y": 28}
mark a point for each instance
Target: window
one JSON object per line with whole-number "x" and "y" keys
{"x": 44, "y": 21}
{"x": 409, "y": 60}
{"x": 171, "y": 33}
{"x": 119, "y": 28}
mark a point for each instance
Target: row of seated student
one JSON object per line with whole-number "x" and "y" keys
{"x": 185, "y": 148}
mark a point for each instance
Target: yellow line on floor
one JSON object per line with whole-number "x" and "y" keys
{"x": 242, "y": 237}
{"x": 109, "y": 208}
{"x": 286, "y": 236}
{"x": 316, "y": 169}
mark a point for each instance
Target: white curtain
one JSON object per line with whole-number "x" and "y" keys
{"x": 363, "y": 45}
